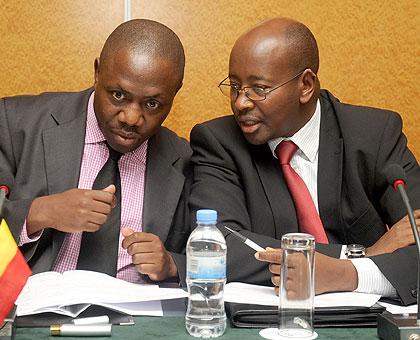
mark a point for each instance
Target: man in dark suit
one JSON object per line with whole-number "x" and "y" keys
{"x": 53, "y": 148}
{"x": 340, "y": 152}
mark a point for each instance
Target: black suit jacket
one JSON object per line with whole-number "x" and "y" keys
{"x": 41, "y": 148}
{"x": 244, "y": 183}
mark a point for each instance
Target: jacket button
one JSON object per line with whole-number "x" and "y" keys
{"x": 414, "y": 292}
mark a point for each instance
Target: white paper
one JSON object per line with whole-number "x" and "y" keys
{"x": 72, "y": 292}
{"x": 395, "y": 309}
{"x": 262, "y": 295}
{"x": 150, "y": 308}
{"x": 348, "y": 299}
{"x": 246, "y": 293}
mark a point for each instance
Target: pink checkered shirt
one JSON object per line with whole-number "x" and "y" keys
{"x": 132, "y": 170}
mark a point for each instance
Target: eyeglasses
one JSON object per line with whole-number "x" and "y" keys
{"x": 255, "y": 93}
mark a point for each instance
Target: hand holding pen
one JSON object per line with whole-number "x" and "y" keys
{"x": 269, "y": 255}
{"x": 245, "y": 240}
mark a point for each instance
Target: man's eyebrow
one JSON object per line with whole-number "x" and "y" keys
{"x": 116, "y": 87}
{"x": 156, "y": 96}
{"x": 250, "y": 78}
{"x": 258, "y": 78}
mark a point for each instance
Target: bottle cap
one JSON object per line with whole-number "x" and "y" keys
{"x": 206, "y": 216}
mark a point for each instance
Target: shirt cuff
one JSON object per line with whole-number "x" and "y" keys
{"x": 25, "y": 238}
{"x": 343, "y": 253}
{"x": 371, "y": 280}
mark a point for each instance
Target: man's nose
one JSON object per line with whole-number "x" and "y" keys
{"x": 131, "y": 115}
{"x": 242, "y": 102}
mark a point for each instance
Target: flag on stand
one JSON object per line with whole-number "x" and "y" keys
{"x": 14, "y": 271}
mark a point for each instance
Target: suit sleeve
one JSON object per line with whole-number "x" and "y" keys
{"x": 400, "y": 267}
{"x": 181, "y": 228}
{"x": 15, "y": 208}
{"x": 217, "y": 185}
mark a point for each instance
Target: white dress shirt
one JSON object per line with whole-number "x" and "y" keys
{"x": 305, "y": 163}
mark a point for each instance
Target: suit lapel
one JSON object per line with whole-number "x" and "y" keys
{"x": 163, "y": 186}
{"x": 63, "y": 150}
{"x": 63, "y": 147}
{"x": 330, "y": 168}
{"x": 277, "y": 193}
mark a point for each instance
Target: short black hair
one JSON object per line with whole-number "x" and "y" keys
{"x": 143, "y": 36}
{"x": 303, "y": 47}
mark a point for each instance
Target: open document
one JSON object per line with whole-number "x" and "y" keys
{"x": 71, "y": 292}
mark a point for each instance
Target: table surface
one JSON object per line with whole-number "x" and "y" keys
{"x": 173, "y": 328}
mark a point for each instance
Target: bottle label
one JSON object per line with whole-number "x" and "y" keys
{"x": 201, "y": 268}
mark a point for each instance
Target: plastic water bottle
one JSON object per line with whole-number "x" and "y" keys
{"x": 206, "y": 278}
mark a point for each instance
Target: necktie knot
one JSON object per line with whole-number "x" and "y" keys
{"x": 113, "y": 154}
{"x": 285, "y": 151}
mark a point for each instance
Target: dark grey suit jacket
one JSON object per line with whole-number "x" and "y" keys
{"x": 41, "y": 148}
{"x": 245, "y": 185}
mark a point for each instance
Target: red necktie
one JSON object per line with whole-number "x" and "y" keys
{"x": 308, "y": 217}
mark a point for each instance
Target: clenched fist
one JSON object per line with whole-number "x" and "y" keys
{"x": 71, "y": 211}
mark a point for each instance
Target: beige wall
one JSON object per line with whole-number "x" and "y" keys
{"x": 370, "y": 50}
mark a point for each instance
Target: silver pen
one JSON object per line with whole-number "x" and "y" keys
{"x": 93, "y": 320}
{"x": 80, "y": 330}
{"x": 245, "y": 240}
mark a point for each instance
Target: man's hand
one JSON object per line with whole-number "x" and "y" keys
{"x": 298, "y": 277}
{"x": 273, "y": 257}
{"x": 149, "y": 255}
{"x": 71, "y": 211}
{"x": 398, "y": 236}
{"x": 331, "y": 274}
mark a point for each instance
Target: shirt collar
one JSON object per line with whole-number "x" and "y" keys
{"x": 307, "y": 138}
{"x": 94, "y": 134}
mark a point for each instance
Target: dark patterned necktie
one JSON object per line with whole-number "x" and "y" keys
{"x": 99, "y": 250}
{"x": 308, "y": 217}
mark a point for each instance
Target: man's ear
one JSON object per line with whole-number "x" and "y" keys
{"x": 96, "y": 68}
{"x": 307, "y": 86}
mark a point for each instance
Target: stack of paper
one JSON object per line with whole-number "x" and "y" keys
{"x": 261, "y": 295}
{"x": 70, "y": 293}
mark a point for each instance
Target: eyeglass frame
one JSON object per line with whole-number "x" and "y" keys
{"x": 266, "y": 91}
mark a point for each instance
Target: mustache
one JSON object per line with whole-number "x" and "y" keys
{"x": 246, "y": 118}
{"x": 127, "y": 128}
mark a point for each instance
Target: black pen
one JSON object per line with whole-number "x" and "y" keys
{"x": 246, "y": 240}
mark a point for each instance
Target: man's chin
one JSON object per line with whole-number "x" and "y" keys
{"x": 123, "y": 145}
{"x": 255, "y": 139}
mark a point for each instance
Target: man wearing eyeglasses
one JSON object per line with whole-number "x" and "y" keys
{"x": 292, "y": 158}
